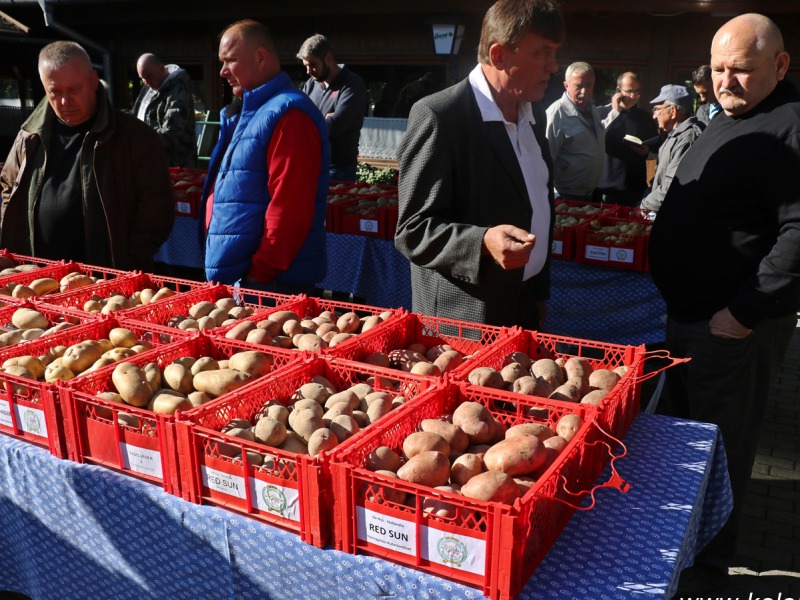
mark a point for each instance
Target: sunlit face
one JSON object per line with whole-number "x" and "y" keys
{"x": 580, "y": 88}
{"x": 317, "y": 68}
{"x": 743, "y": 75}
{"x": 704, "y": 93}
{"x": 631, "y": 91}
{"x": 240, "y": 62}
{"x": 71, "y": 90}
{"x": 665, "y": 115}
{"x": 529, "y": 67}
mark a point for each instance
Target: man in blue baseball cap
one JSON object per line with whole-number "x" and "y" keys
{"x": 672, "y": 109}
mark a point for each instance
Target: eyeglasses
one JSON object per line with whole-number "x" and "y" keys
{"x": 658, "y": 109}
{"x": 631, "y": 92}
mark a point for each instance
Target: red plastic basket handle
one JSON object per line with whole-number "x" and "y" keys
{"x": 615, "y": 480}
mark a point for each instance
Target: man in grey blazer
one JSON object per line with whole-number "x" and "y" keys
{"x": 475, "y": 210}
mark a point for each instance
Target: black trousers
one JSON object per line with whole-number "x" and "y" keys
{"x": 726, "y": 383}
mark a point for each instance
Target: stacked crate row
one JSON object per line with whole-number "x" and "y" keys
{"x": 601, "y": 234}
{"x": 202, "y": 454}
{"x": 362, "y": 209}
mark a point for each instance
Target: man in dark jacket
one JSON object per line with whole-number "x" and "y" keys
{"x": 341, "y": 97}
{"x": 725, "y": 254}
{"x": 83, "y": 181}
{"x": 165, "y": 102}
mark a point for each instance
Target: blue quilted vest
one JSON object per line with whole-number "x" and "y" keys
{"x": 241, "y": 195}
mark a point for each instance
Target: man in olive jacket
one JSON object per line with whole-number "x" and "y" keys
{"x": 84, "y": 182}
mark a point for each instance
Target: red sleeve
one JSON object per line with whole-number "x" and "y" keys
{"x": 294, "y": 160}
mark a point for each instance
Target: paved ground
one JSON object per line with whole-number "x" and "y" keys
{"x": 768, "y": 563}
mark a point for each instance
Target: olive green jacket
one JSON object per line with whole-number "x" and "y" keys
{"x": 128, "y": 201}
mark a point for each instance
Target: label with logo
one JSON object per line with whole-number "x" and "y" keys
{"x": 368, "y": 225}
{"x": 184, "y": 208}
{"x": 389, "y": 532}
{"x": 282, "y": 501}
{"x": 623, "y": 255}
{"x": 141, "y": 460}
{"x": 597, "y": 253}
{"x": 30, "y": 420}
{"x": 454, "y": 550}
{"x": 557, "y": 247}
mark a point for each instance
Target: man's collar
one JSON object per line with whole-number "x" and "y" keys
{"x": 487, "y": 104}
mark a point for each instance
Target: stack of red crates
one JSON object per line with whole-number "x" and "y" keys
{"x": 187, "y": 186}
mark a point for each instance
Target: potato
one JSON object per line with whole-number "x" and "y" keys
{"x": 435, "y": 352}
{"x": 80, "y": 356}
{"x": 314, "y": 391}
{"x": 198, "y": 398}
{"x": 177, "y": 377}
{"x": 270, "y": 431}
{"x": 311, "y": 342}
{"x": 533, "y": 386}
{"x": 538, "y": 429}
{"x": 348, "y": 323}
{"x": 252, "y": 362}
{"x": 201, "y": 309}
{"x": 429, "y": 468}
{"x": 57, "y": 372}
{"x": 404, "y": 359}
{"x": 22, "y": 291}
{"x": 152, "y": 373}
{"x": 621, "y": 370}
{"x": 338, "y": 338}
{"x": 517, "y": 455}
{"x": 475, "y": 420}
{"x": 378, "y": 408}
{"x": 465, "y": 467}
{"x": 568, "y": 426}
{"x": 115, "y": 303}
{"x": 568, "y": 392}
{"x": 166, "y": 402}
{"x": 337, "y": 410}
{"x": 379, "y": 359}
{"x": 292, "y": 327}
{"x": 487, "y": 377}
{"x": 594, "y": 397}
{"x": 348, "y": 397}
{"x": 383, "y": 458}
{"x": 369, "y": 322}
{"x": 389, "y": 493}
{"x": 28, "y": 318}
{"x": 117, "y": 354}
{"x": 101, "y": 362}
{"x": 240, "y": 330}
{"x": 439, "y": 507}
{"x": 603, "y": 379}
{"x": 449, "y": 360}
{"x": 32, "y": 363}
{"x": 322, "y": 440}
{"x": 204, "y": 363}
{"x": 513, "y": 371}
{"x": 281, "y": 316}
{"x": 260, "y": 337}
{"x": 9, "y": 338}
{"x": 294, "y": 443}
{"x": 426, "y": 369}
{"x": 131, "y": 383}
{"x": 424, "y": 441}
{"x": 549, "y": 370}
{"x": 452, "y": 434}
{"x": 492, "y": 486}
{"x": 579, "y": 368}
{"x": 161, "y": 294}
{"x": 344, "y": 427}
{"x": 519, "y": 357}
{"x": 43, "y": 285}
{"x": 305, "y": 422}
{"x": 219, "y": 382}
{"x": 73, "y": 281}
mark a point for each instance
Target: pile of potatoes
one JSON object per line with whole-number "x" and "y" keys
{"x": 570, "y": 216}
{"x": 115, "y": 302}
{"x": 571, "y": 379}
{"x": 209, "y": 315}
{"x": 419, "y": 359}
{"x": 28, "y": 324}
{"x": 46, "y": 285}
{"x": 185, "y": 383}
{"x": 471, "y": 453}
{"x": 287, "y": 329}
{"x": 318, "y": 419}
{"x": 62, "y": 363}
{"x": 621, "y": 231}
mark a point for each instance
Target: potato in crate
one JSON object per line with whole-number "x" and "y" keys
{"x": 31, "y": 406}
{"x": 264, "y": 450}
{"x": 613, "y": 241}
{"x": 313, "y": 324}
{"x": 469, "y": 485}
{"x": 44, "y": 281}
{"x": 124, "y": 415}
{"x": 530, "y": 363}
{"x": 568, "y": 215}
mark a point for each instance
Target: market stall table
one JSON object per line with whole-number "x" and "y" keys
{"x": 72, "y": 531}
{"x": 588, "y": 302}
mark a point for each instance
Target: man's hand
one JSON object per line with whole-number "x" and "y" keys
{"x": 723, "y": 324}
{"x": 509, "y": 246}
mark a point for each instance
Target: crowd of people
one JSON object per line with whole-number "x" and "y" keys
{"x": 480, "y": 166}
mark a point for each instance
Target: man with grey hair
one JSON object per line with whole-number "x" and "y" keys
{"x": 724, "y": 255}
{"x": 576, "y": 136}
{"x": 475, "y": 204}
{"x": 672, "y": 109}
{"x": 341, "y": 97}
{"x": 83, "y": 181}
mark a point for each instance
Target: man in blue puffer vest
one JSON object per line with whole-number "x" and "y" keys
{"x": 265, "y": 218}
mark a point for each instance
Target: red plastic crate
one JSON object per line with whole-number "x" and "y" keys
{"x": 308, "y": 307}
{"x": 564, "y": 230}
{"x": 149, "y": 451}
{"x": 295, "y": 495}
{"x": 471, "y": 339}
{"x": 492, "y": 546}
{"x": 33, "y": 410}
{"x": 126, "y": 286}
{"x": 620, "y": 406}
{"x": 161, "y": 312}
{"x": 187, "y": 188}
{"x": 613, "y": 248}
{"x": 23, "y": 259}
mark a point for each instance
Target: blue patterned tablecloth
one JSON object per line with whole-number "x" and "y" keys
{"x": 70, "y": 531}
{"x": 183, "y": 247}
{"x": 588, "y": 302}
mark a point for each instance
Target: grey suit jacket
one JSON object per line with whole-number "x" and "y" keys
{"x": 458, "y": 177}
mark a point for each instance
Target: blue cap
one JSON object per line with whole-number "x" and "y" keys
{"x": 677, "y": 94}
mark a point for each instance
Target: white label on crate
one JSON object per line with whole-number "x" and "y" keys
{"x": 368, "y": 225}
{"x": 225, "y": 483}
{"x": 454, "y": 550}
{"x": 382, "y": 530}
{"x": 141, "y": 460}
{"x": 184, "y": 208}
{"x": 597, "y": 252}
{"x": 30, "y": 420}
{"x": 624, "y": 255}
{"x": 557, "y": 247}
{"x": 282, "y": 501}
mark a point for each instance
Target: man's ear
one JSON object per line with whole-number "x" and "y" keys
{"x": 781, "y": 65}
{"x": 497, "y": 56}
